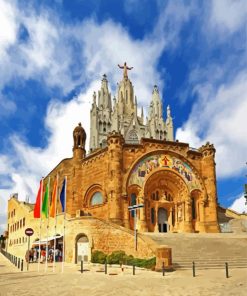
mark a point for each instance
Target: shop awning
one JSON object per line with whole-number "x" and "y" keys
{"x": 44, "y": 240}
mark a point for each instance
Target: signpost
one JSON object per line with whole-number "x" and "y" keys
{"x": 135, "y": 208}
{"x": 29, "y": 232}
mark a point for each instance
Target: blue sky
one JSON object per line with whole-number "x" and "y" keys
{"x": 54, "y": 53}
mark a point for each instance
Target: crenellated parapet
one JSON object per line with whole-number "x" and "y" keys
{"x": 207, "y": 150}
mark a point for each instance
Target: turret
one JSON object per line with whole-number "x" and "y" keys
{"x": 115, "y": 142}
{"x": 79, "y": 137}
{"x": 209, "y": 177}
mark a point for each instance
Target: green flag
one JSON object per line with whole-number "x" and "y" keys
{"x": 45, "y": 203}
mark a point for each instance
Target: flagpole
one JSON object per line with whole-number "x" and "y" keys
{"x": 55, "y": 227}
{"x": 47, "y": 227}
{"x": 64, "y": 221}
{"x": 40, "y": 220}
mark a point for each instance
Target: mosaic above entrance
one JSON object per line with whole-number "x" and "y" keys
{"x": 149, "y": 164}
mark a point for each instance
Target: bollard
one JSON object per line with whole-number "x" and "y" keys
{"x": 18, "y": 264}
{"x": 81, "y": 266}
{"x": 105, "y": 267}
{"x": 22, "y": 265}
{"x": 163, "y": 268}
{"x": 226, "y": 265}
{"x": 194, "y": 269}
{"x": 134, "y": 269}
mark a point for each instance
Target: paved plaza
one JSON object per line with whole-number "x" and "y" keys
{"x": 95, "y": 282}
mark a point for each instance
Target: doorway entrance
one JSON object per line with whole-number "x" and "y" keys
{"x": 82, "y": 248}
{"x": 162, "y": 220}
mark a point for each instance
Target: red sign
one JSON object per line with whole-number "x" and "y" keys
{"x": 29, "y": 231}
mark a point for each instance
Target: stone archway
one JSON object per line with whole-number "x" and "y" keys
{"x": 164, "y": 180}
{"x": 164, "y": 192}
{"x": 82, "y": 248}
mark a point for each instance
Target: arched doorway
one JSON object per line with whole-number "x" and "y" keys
{"x": 82, "y": 248}
{"x": 162, "y": 220}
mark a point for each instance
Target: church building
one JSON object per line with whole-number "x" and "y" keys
{"x": 131, "y": 161}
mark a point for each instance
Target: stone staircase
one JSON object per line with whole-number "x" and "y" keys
{"x": 207, "y": 250}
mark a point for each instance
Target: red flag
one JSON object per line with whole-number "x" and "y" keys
{"x": 36, "y": 211}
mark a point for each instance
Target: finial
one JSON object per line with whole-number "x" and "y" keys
{"x": 155, "y": 89}
{"x": 168, "y": 111}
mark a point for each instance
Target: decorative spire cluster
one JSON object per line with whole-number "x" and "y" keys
{"x": 123, "y": 115}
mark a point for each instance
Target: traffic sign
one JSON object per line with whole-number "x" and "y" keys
{"x": 29, "y": 231}
{"x": 134, "y": 207}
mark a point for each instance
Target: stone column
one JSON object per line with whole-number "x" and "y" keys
{"x": 176, "y": 216}
{"x": 188, "y": 217}
{"x": 170, "y": 227}
{"x": 156, "y": 228}
{"x": 141, "y": 222}
{"x": 126, "y": 214}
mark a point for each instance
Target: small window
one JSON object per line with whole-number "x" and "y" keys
{"x": 23, "y": 222}
{"x": 20, "y": 223}
{"x": 97, "y": 199}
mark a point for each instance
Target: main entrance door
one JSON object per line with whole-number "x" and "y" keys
{"x": 162, "y": 220}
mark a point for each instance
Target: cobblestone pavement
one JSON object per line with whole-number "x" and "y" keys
{"x": 95, "y": 282}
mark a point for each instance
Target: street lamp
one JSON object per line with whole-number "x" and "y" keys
{"x": 134, "y": 208}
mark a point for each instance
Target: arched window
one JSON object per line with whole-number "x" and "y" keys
{"x": 97, "y": 199}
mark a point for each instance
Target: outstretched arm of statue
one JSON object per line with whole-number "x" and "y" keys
{"x": 129, "y": 68}
{"x": 121, "y": 67}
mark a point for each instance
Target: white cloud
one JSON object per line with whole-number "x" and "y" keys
{"x": 219, "y": 116}
{"x": 228, "y": 16}
{"x": 8, "y": 26}
{"x": 239, "y": 205}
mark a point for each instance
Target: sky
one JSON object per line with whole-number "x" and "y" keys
{"x": 52, "y": 58}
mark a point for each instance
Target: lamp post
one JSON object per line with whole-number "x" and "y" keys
{"x": 135, "y": 208}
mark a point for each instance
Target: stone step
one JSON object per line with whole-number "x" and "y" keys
{"x": 206, "y": 250}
